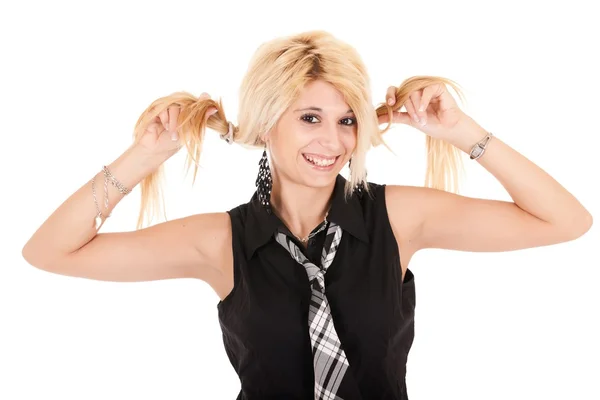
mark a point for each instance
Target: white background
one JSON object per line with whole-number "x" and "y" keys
{"x": 76, "y": 76}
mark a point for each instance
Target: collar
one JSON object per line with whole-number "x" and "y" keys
{"x": 261, "y": 226}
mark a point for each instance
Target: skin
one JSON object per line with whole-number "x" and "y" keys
{"x": 421, "y": 217}
{"x": 199, "y": 246}
{"x": 297, "y": 186}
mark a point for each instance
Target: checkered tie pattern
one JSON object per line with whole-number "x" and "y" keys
{"x": 329, "y": 359}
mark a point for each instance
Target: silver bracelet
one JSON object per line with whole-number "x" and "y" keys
{"x": 106, "y": 195}
{"x": 108, "y": 177}
{"x": 228, "y": 137}
{"x": 120, "y": 187}
{"x": 99, "y": 219}
{"x": 479, "y": 148}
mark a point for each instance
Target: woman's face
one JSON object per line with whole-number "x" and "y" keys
{"x": 314, "y": 138}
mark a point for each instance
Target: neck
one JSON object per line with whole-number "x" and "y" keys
{"x": 301, "y": 208}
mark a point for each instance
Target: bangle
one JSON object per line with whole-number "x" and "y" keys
{"x": 479, "y": 148}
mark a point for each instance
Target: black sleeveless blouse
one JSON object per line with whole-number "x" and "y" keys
{"x": 264, "y": 320}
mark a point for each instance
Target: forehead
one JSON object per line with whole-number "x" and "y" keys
{"x": 321, "y": 94}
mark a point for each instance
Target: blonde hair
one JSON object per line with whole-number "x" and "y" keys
{"x": 277, "y": 72}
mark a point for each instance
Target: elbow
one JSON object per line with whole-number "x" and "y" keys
{"x": 43, "y": 256}
{"x": 588, "y": 221}
{"x": 28, "y": 254}
{"x": 579, "y": 225}
{"x": 34, "y": 257}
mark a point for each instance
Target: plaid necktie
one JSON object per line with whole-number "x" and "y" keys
{"x": 329, "y": 359}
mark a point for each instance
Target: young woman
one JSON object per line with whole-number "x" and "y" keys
{"x": 317, "y": 300}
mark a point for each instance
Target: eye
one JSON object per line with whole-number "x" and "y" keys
{"x": 345, "y": 121}
{"x": 352, "y": 121}
{"x": 307, "y": 117}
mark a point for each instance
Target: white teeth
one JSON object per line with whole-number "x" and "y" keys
{"x": 319, "y": 161}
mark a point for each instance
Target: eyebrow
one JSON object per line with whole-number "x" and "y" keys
{"x": 319, "y": 109}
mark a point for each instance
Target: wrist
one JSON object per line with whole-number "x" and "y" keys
{"x": 133, "y": 166}
{"x": 466, "y": 135}
{"x": 143, "y": 160}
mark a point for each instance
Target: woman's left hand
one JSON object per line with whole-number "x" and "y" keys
{"x": 431, "y": 110}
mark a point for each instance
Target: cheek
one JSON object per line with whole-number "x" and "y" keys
{"x": 350, "y": 141}
{"x": 285, "y": 150}
{"x": 295, "y": 142}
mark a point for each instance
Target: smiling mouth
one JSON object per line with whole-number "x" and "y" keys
{"x": 320, "y": 161}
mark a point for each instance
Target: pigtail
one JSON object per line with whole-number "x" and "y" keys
{"x": 444, "y": 162}
{"x": 191, "y": 127}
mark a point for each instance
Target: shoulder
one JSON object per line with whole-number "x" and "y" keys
{"x": 386, "y": 223}
{"x": 407, "y": 208}
{"x": 215, "y": 232}
{"x": 373, "y": 209}
{"x": 397, "y": 207}
{"x": 408, "y": 205}
{"x": 373, "y": 202}
{"x": 239, "y": 215}
{"x": 374, "y": 195}
{"x": 246, "y": 221}
{"x": 212, "y": 234}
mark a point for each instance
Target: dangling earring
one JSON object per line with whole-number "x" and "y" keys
{"x": 264, "y": 182}
{"x": 359, "y": 189}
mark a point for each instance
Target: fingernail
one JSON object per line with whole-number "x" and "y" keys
{"x": 390, "y": 101}
{"x": 174, "y": 136}
{"x": 416, "y": 118}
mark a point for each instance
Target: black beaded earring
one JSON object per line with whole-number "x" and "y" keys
{"x": 359, "y": 189}
{"x": 264, "y": 182}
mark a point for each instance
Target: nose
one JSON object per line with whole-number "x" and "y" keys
{"x": 330, "y": 136}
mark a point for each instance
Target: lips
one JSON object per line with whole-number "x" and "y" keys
{"x": 320, "y": 160}
{"x": 320, "y": 163}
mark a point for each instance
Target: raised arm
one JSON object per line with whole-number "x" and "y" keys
{"x": 542, "y": 212}
{"x": 68, "y": 243}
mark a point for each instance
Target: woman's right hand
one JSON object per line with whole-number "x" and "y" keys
{"x": 160, "y": 137}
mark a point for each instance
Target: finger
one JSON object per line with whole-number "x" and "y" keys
{"x": 428, "y": 93}
{"x": 211, "y": 111}
{"x": 402, "y": 118}
{"x": 173, "y": 115}
{"x": 410, "y": 108}
{"x": 397, "y": 117}
{"x": 416, "y": 101}
{"x": 391, "y": 95}
{"x": 164, "y": 119}
{"x": 446, "y": 100}
{"x": 384, "y": 119}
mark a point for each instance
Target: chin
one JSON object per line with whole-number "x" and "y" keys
{"x": 320, "y": 183}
